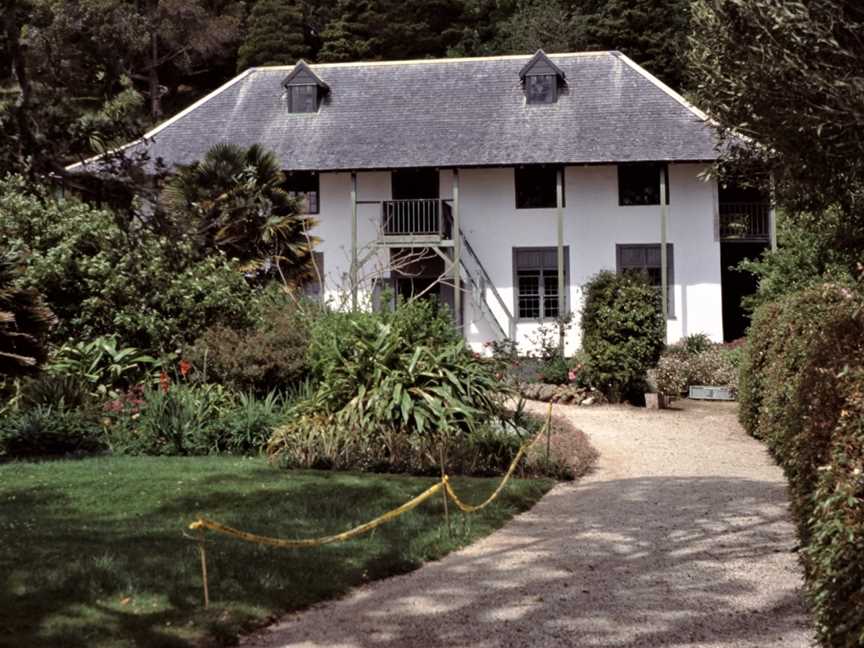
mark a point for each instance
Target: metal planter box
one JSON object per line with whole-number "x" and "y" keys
{"x": 701, "y": 392}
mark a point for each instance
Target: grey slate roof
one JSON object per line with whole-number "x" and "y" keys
{"x": 446, "y": 113}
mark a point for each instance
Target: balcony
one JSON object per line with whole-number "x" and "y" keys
{"x": 745, "y": 221}
{"x": 415, "y": 221}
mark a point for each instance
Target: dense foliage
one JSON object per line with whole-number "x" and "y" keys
{"x": 790, "y": 75}
{"x": 102, "y": 276}
{"x": 233, "y": 202}
{"x": 802, "y": 391}
{"x": 623, "y": 331}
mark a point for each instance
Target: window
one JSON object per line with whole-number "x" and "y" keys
{"x": 536, "y": 279}
{"x": 302, "y": 98}
{"x": 535, "y": 187}
{"x": 645, "y": 260}
{"x": 639, "y": 183}
{"x": 304, "y": 90}
{"x": 304, "y": 186}
{"x": 541, "y": 88}
{"x": 541, "y": 79}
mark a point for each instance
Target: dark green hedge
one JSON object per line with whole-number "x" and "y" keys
{"x": 802, "y": 392}
{"x": 623, "y": 331}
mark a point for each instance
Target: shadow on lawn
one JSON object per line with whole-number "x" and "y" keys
{"x": 597, "y": 568}
{"x": 67, "y": 571}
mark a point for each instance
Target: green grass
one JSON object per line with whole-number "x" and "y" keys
{"x": 92, "y": 552}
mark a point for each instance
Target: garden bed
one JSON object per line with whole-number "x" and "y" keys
{"x": 83, "y": 569}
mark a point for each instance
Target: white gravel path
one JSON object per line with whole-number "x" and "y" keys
{"x": 680, "y": 537}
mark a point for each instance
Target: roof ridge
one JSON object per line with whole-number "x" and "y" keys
{"x": 460, "y": 59}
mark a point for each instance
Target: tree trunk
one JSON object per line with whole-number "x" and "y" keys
{"x": 155, "y": 89}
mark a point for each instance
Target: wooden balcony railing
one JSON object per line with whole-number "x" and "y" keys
{"x": 745, "y": 221}
{"x": 415, "y": 217}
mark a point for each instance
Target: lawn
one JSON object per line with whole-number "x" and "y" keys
{"x": 93, "y": 553}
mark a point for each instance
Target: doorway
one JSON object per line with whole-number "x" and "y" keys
{"x": 737, "y": 284}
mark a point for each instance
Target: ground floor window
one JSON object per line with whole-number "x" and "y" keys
{"x": 535, "y": 272}
{"x": 644, "y": 259}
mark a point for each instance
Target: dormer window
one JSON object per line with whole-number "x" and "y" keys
{"x": 541, "y": 79}
{"x": 304, "y": 91}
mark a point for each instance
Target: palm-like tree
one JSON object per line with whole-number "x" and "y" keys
{"x": 234, "y": 201}
{"x": 24, "y": 322}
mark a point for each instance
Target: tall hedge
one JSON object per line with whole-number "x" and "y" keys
{"x": 623, "y": 331}
{"x": 802, "y": 392}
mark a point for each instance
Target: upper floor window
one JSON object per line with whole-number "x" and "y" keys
{"x": 302, "y": 98}
{"x": 541, "y": 79}
{"x": 536, "y": 187}
{"x": 541, "y": 88}
{"x": 304, "y": 91}
{"x": 639, "y": 183}
{"x": 304, "y": 185}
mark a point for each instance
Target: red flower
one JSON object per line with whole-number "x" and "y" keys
{"x": 185, "y": 366}
{"x": 164, "y": 381}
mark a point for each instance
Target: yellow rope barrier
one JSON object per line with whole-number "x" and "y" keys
{"x": 204, "y": 523}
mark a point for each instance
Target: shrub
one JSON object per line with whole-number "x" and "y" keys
{"x": 246, "y": 426}
{"x": 178, "y": 420}
{"x": 690, "y": 362}
{"x": 386, "y": 381}
{"x": 555, "y": 371}
{"x": 801, "y": 385}
{"x": 59, "y": 392}
{"x": 623, "y": 331}
{"x": 101, "y": 363}
{"x": 101, "y": 276}
{"x": 270, "y": 355}
{"x": 46, "y": 431}
{"x": 190, "y": 419}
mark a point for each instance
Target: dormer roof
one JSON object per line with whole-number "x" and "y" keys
{"x": 302, "y": 74}
{"x": 540, "y": 63}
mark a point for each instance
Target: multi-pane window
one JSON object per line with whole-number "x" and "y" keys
{"x": 536, "y": 277}
{"x": 303, "y": 185}
{"x": 536, "y": 187}
{"x": 644, "y": 259}
{"x": 541, "y": 88}
{"x": 639, "y": 183}
{"x": 302, "y": 98}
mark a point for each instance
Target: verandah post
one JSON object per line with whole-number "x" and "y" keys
{"x": 457, "y": 254}
{"x": 353, "y": 277}
{"x": 559, "y": 214}
{"x": 772, "y": 217}
{"x": 664, "y": 261}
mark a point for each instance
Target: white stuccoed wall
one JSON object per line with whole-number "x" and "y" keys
{"x": 593, "y": 224}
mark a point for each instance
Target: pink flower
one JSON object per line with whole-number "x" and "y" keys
{"x": 572, "y": 375}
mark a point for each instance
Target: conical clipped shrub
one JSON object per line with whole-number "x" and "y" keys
{"x": 24, "y": 323}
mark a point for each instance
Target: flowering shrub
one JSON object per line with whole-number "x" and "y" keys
{"x": 684, "y": 364}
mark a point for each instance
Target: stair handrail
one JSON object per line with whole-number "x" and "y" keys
{"x": 487, "y": 279}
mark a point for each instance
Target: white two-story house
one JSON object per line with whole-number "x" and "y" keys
{"x": 499, "y": 184}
